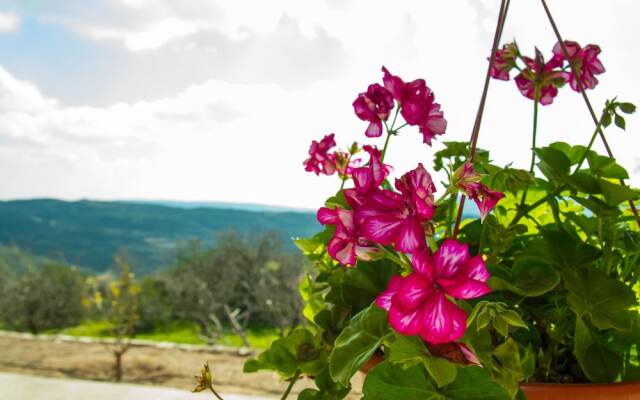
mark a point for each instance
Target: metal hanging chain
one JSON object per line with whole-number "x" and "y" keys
{"x": 502, "y": 16}
{"x": 565, "y": 52}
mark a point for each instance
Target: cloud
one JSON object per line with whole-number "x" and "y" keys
{"x": 9, "y": 22}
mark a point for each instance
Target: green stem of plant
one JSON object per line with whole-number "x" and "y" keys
{"x": 452, "y": 209}
{"x": 526, "y": 210}
{"x": 293, "y": 382}
{"x": 593, "y": 139}
{"x": 215, "y": 393}
{"x": 533, "y": 142}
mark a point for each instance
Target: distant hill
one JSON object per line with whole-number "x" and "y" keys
{"x": 89, "y": 233}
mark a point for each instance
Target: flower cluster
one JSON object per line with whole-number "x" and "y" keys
{"x": 378, "y": 219}
{"x": 539, "y": 79}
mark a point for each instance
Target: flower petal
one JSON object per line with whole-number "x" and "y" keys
{"x": 327, "y": 216}
{"x": 384, "y": 299}
{"x": 411, "y": 236}
{"x": 415, "y": 289}
{"x": 464, "y": 288}
{"x": 342, "y": 250}
{"x": 405, "y": 322}
{"x": 450, "y": 256}
{"x": 383, "y": 229}
{"x": 374, "y": 129}
{"x": 443, "y": 321}
{"x": 422, "y": 263}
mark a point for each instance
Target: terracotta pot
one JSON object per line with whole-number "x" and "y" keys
{"x": 552, "y": 391}
{"x": 586, "y": 391}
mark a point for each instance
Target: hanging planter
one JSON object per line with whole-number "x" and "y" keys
{"x": 534, "y": 291}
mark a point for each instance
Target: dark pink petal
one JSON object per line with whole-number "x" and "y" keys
{"x": 422, "y": 263}
{"x": 393, "y": 84}
{"x": 374, "y": 129}
{"x": 385, "y": 200}
{"x": 383, "y": 229}
{"x": 346, "y": 219}
{"x": 406, "y": 322}
{"x": 362, "y": 109}
{"x": 443, "y": 321}
{"x": 469, "y": 355}
{"x": 353, "y": 198}
{"x": 411, "y": 236}
{"x": 327, "y": 216}
{"x": 464, "y": 288}
{"x": 414, "y": 291}
{"x": 384, "y": 299}
{"x": 450, "y": 256}
{"x": 486, "y": 199}
{"x": 475, "y": 268}
{"x": 572, "y": 49}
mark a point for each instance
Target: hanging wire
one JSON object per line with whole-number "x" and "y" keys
{"x": 502, "y": 16}
{"x": 575, "y": 73}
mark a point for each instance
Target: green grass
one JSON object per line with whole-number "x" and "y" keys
{"x": 184, "y": 332}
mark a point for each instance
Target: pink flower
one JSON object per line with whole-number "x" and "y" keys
{"x": 367, "y": 179}
{"x": 374, "y": 106}
{"x": 346, "y": 245}
{"x": 504, "y": 61}
{"x": 541, "y": 78}
{"x": 345, "y": 165}
{"x": 418, "y": 304}
{"x": 319, "y": 161}
{"x": 485, "y": 198}
{"x": 585, "y": 61}
{"x": 466, "y": 178}
{"x": 418, "y": 105}
{"x": 391, "y": 218}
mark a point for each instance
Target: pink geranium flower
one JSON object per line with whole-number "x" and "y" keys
{"x": 467, "y": 179}
{"x": 504, "y": 61}
{"x": 418, "y": 105}
{"x": 541, "y": 78}
{"x": 374, "y": 106}
{"x": 418, "y": 304}
{"x": 345, "y": 164}
{"x": 320, "y": 161}
{"x": 392, "y": 218}
{"x": 367, "y": 179}
{"x": 585, "y": 61}
{"x": 346, "y": 245}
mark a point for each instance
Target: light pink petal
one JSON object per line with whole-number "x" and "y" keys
{"x": 366, "y": 253}
{"x": 415, "y": 289}
{"x": 384, "y": 299}
{"x": 469, "y": 355}
{"x": 450, "y": 256}
{"x": 342, "y": 250}
{"x": 443, "y": 321}
{"x": 411, "y": 236}
{"x": 346, "y": 219}
{"x": 327, "y": 216}
{"x": 374, "y": 129}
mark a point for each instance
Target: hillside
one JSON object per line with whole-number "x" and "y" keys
{"x": 89, "y": 233}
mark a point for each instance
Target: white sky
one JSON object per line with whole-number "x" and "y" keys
{"x": 219, "y": 100}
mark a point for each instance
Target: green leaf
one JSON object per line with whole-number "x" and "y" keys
{"x": 598, "y": 363}
{"x": 606, "y": 119}
{"x": 531, "y": 277}
{"x": 554, "y": 164}
{"x": 619, "y": 121}
{"x": 510, "y": 180}
{"x": 388, "y": 382}
{"x": 508, "y": 371}
{"x": 606, "y": 301}
{"x": 357, "y": 343}
{"x": 327, "y": 389}
{"x": 409, "y": 350}
{"x": 627, "y": 108}
{"x": 574, "y": 153}
{"x": 616, "y": 194}
{"x": 300, "y": 351}
{"x": 566, "y": 250}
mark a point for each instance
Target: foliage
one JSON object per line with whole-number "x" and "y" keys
{"x": 41, "y": 298}
{"x": 542, "y": 289}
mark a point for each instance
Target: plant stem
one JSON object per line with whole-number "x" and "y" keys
{"x": 593, "y": 139}
{"x": 215, "y": 393}
{"x": 386, "y": 143}
{"x": 533, "y": 142}
{"x": 293, "y": 381}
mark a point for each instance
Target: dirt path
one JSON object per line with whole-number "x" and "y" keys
{"x": 142, "y": 365}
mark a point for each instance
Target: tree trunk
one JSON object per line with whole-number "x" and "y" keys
{"x": 236, "y": 326}
{"x": 118, "y": 365}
